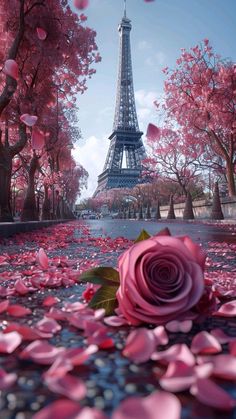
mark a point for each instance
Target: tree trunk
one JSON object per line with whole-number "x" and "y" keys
{"x": 46, "y": 215}
{"x": 230, "y": 178}
{"x": 5, "y": 185}
{"x": 29, "y": 212}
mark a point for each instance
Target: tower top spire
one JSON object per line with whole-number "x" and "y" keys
{"x": 125, "y": 8}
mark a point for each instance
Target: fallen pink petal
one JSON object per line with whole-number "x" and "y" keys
{"x": 209, "y": 393}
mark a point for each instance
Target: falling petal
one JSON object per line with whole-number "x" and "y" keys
{"x": 11, "y": 69}
{"x": 42, "y": 34}
{"x": 153, "y": 132}
{"x": 29, "y": 120}
{"x": 38, "y": 139}
{"x": 81, "y": 4}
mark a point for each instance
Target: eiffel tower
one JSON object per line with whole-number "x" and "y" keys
{"x": 123, "y": 163}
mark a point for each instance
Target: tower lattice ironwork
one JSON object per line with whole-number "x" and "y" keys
{"x": 123, "y": 163}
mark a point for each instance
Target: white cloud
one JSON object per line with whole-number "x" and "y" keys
{"x": 156, "y": 59}
{"x": 144, "y": 45}
{"x": 145, "y": 108}
{"x": 92, "y": 155}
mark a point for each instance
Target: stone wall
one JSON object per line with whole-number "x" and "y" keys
{"x": 202, "y": 209}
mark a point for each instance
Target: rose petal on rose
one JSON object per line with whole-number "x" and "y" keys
{"x": 9, "y": 342}
{"x": 6, "y": 379}
{"x": 63, "y": 409}
{"x": 176, "y": 352}
{"x": 16, "y": 310}
{"x": 178, "y": 377}
{"x": 41, "y": 352}
{"x": 47, "y": 325}
{"x": 227, "y": 310}
{"x": 210, "y": 394}
{"x": 158, "y": 405}
{"x": 196, "y": 250}
{"x": 205, "y": 343}
{"x": 67, "y": 385}
{"x": 140, "y": 345}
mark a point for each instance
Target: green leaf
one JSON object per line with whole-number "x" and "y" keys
{"x": 103, "y": 275}
{"x": 142, "y": 236}
{"x": 105, "y": 297}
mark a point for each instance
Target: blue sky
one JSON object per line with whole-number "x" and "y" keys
{"x": 159, "y": 30}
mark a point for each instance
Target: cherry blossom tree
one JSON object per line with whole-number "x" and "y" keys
{"x": 169, "y": 158}
{"x": 46, "y": 46}
{"x": 201, "y": 97}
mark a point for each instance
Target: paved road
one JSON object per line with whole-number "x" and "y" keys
{"x": 198, "y": 231}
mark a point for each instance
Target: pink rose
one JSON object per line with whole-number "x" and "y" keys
{"x": 161, "y": 278}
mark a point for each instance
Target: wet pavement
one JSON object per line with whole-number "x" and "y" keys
{"x": 109, "y": 377}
